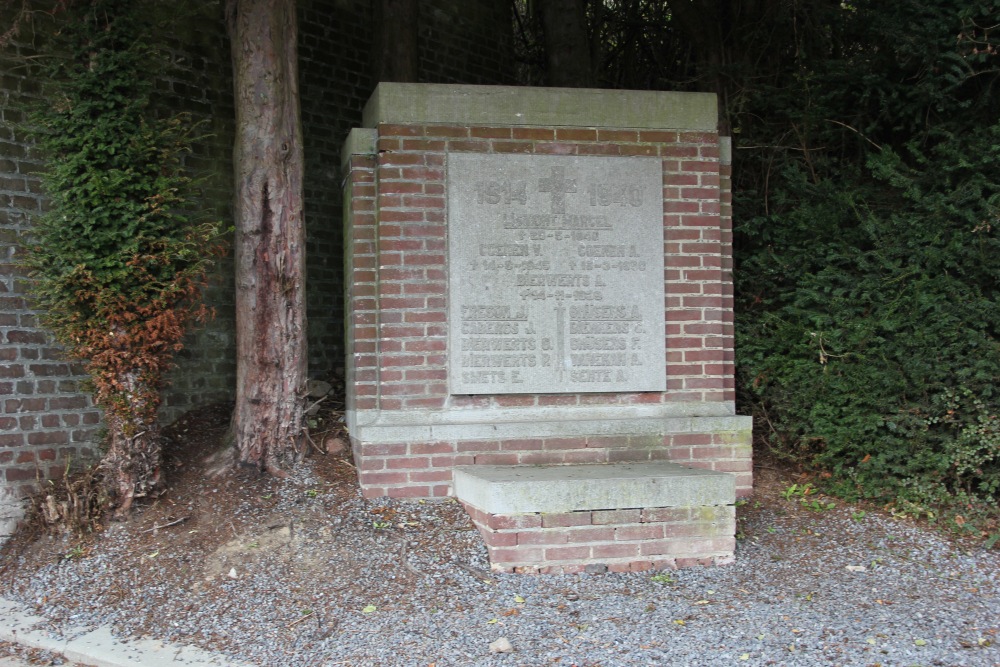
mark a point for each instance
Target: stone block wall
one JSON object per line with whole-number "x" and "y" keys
{"x": 408, "y": 431}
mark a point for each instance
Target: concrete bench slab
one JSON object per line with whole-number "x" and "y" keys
{"x": 524, "y": 489}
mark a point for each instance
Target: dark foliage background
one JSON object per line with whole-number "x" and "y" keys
{"x": 866, "y": 141}
{"x": 868, "y": 274}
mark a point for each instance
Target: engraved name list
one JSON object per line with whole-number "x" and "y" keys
{"x": 555, "y": 274}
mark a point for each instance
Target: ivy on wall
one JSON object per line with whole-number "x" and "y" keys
{"x": 120, "y": 256}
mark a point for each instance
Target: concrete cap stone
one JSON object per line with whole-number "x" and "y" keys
{"x": 426, "y": 103}
{"x": 360, "y": 141}
{"x": 519, "y": 489}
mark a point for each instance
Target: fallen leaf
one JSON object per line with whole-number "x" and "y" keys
{"x": 493, "y": 621}
{"x": 920, "y": 642}
{"x": 369, "y": 609}
{"x": 745, "y": 656}
{"x": 518, "y": 599}
{"x": 679, "y": 622}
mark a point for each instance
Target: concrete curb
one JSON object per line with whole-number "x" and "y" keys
{"x": 99, "y": 648}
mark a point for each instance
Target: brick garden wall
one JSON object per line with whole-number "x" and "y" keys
{"x": 398, "y": 310}
{"x": 460, "y": 42}
{"x": 198, "y": 82}
{"x": 45, "y": 419}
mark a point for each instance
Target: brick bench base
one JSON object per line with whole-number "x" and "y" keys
{"x": 563, "y": 519}
{"x": 624, "y": 540}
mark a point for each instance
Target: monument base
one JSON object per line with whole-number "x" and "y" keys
{"x": 594, "y": 518}
{"x": 412, "y": 454}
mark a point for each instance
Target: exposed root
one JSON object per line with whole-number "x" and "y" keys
{"x": 276, "y": 471}
{"x": 220, "y": 462}
{"x": 77, "y": 503}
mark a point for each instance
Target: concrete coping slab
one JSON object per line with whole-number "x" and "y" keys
{"x": 518, "y": 489}
{"x": 429, "y": 103}
{"x": 360, "y": 141}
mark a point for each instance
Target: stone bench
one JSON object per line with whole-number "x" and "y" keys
{"x": 596, "y": 518}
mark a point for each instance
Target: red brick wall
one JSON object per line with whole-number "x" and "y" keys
{"x": 626, "y": 540}
{"x": 398, "y": 303}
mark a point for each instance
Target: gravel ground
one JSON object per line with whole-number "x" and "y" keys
{"x": 306, "y": 572}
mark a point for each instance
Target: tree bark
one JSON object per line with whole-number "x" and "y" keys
{"x": 396, "y": 49}
{"x": 567, "y": 46}
{"x": 131, "y": 465}
{"x": 271, "y": 361}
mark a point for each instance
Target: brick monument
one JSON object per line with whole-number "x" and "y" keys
{"x": 539, "y": 319}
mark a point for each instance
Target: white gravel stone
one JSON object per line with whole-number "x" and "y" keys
{"x": 789, "y": 598}
{"x": 501, "y": 645}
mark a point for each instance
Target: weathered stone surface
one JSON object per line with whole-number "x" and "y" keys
{"x": 555, "y": 274}
{"x": 522, "y": 105}
{"x": 567, "y": 488}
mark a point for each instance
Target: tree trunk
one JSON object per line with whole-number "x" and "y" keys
{"x": 567, "y": 46}
{"x": 271, "y": 361}
{"x": 396, "y": 52}
{"x": 131, "y": 465}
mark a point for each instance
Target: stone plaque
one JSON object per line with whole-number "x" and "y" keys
{"x": 555, "y": 274}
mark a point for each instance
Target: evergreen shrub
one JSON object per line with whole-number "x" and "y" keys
{"x": 868, "y": 258}
{"x": 121, "y": 255}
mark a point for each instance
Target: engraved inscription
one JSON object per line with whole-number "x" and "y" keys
{"x": 555, "y": 274}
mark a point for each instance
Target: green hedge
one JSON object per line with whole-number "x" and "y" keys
{"x": 868, "y": 254}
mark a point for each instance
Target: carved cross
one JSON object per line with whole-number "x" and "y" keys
{"x": 557, "y": 185}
